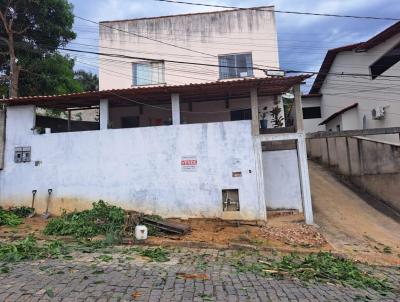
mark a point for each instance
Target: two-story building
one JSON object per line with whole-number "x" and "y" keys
{"x": 188, "y": 139}
{"x": 357, "y": 87}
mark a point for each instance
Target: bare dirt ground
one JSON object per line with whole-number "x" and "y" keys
{"x": 281, "y": 233}
{"x": 350, "y": 224}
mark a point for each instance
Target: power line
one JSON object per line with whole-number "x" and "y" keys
{"x": 282, "y": 11}
{"x": 218, "y": 65}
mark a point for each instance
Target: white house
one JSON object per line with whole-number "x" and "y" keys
{"x": 176, "y": 139}
{"x": 210, "y": 166}
{"x": 357, "y": 87}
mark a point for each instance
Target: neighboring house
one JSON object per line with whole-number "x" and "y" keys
{"x": 366, "y": 99}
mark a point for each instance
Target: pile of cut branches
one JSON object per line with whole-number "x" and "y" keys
{"x": 102, "y": 219}
{"x": 29, "y": 249}
{"x": 9, "y": 218}
{"x": 321, "y": 267}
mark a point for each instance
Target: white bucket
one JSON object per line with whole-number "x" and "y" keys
{"x": 141, "y": 232}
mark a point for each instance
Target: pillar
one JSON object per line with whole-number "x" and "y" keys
{"x": 104, "y": 114}
{"x": 176, "y": 111}
{"x": 305, "y": 179}
{"x": 298, "y": 109}
{"x": 255, "y": 119}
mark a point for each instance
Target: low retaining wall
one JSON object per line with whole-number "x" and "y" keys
{"x": 371, "y": 165}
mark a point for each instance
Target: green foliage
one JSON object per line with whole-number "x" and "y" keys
{"x": 321, "y": 267}
{"x": 89, "y": 81}
{"x": 157, "y": 254}
{"x": 28, "y": 249}
{"x": 50, "y": 74}
{"x": 8, "y": 218}
{"x": 277, "y": 119}
{"x": 105, "y": 258}
{"x": 22, "y": 212}
{"x": 102, "y": 219}
{"x": 39, "y": 28}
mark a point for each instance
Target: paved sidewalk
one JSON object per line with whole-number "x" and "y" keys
{"x": 129, "y": 277}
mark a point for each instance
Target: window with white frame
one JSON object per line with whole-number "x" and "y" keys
{"x": 148, "y": 73}
{"x": 235, "y": 65}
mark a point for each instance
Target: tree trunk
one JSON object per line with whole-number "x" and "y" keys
{"x": 14, "y": 68}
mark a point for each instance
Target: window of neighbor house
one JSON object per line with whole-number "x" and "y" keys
{"x": 235, "y": 66}
{"x": 148, "y": 73}
{"x": 385, "y": 62}
{"x": 311, "y": 112}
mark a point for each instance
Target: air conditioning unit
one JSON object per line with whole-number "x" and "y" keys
{"x": 378, "y": 113}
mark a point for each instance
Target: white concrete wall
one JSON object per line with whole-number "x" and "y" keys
{"x": 312, "y": 125}
{"x": 137, "y": 169}
{"x": 282, "y": 180}
{"x": 342, "y": 91}
{"x": 349, "y": 119}
{"x": 210, "y": 34}
{"x": 333, "y": 123}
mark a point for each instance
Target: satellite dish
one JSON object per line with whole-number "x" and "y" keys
{"x": 288, "y": 95}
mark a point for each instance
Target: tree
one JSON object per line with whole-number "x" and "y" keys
{"x": 49, "y": 75}
{"x": 28, "y": 26}
{"x": 89, "y": 81}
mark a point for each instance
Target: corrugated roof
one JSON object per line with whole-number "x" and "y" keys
{"x": 217, "y": 90}
{"x": 363, "y": 46}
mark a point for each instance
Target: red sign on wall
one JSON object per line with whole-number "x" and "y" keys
{"x": 189, "y": 163}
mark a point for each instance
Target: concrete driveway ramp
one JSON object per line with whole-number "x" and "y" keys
{"x": 349, "y": 223}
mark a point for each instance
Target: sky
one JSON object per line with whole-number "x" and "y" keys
{"x": 303, "y": 40}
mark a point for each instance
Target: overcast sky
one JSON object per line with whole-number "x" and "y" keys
{"x": 303, "y": 40}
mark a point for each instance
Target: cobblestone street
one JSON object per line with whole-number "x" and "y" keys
{"x": 190, "y": 275}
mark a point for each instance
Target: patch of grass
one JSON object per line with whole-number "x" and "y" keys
{"x": 157, "y": 254}
{"x": 102, "y": 219}
{"x": 9, "y": 218}
{"x": 28, "y": 249}
{"x": 321, "y": 267}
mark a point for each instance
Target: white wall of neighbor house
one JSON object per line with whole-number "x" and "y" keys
{"x": 342, "y": 91}
{"x": 137, "y": 168}
{"x": 209, "y": 34}
{"x": 344, "y": 121}
{"x": 312, "y": 124}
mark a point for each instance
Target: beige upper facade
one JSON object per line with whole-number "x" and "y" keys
{"x": 245, "y": 40}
